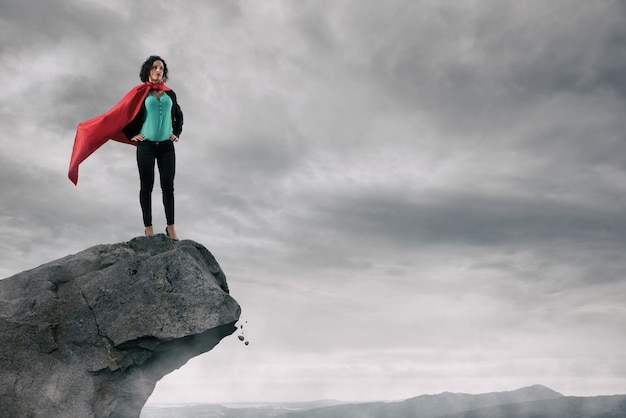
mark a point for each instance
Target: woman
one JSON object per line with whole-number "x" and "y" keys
{"x": 148, "y": 116}
{"x": 155, "y": 128}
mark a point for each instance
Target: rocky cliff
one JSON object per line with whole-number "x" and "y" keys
{"x": 89, "y": 335}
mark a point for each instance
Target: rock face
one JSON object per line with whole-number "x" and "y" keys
{"x": 90, "y": 334}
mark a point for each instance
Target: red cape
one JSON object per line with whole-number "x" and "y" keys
{"x": 92, "y": 134}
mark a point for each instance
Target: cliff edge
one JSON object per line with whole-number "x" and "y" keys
{"x": 90, "y": 334}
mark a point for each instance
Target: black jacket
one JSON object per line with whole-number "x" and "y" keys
{"x": 134, "y": 127}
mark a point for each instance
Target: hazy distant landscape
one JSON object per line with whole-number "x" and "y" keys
{"x": 248, "y": 410}
{"x": 529, "y": 402}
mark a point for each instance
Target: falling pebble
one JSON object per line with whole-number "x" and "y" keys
{"x": 247, "y": 342}
{"x": 240, "y": 338}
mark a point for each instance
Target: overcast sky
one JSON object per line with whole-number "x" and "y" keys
{"x": 406, "y": 196}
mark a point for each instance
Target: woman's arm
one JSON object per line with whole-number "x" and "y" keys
{"x": 177, "y": 115}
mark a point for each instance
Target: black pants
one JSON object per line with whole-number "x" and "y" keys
{"x": 163, "y": 153}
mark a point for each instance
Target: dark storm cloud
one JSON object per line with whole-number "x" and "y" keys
{"x": 472, "y": 219}
{"x": 464, "y": 65}
{"x": 487, "y": 71}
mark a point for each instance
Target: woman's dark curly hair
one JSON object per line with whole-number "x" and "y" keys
{"x": 144, "y": 74}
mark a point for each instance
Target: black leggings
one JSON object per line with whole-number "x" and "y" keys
{"x": 163, "y": 153}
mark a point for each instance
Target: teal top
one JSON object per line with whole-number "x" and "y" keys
{"x": 158, "y": 123}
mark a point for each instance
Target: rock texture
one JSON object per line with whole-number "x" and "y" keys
{"x": 89, "y": 335}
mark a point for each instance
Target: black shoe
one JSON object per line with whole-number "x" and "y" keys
{"x": 168, "y": 234}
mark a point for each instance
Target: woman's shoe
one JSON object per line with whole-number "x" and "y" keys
{"x": 168, "y": 234}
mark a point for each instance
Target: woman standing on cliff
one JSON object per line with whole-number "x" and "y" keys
{"x": 150, "y": 118}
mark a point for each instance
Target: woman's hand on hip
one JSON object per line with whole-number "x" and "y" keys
{"x": 173, "y": 138}
{"x": 138, "y": 137}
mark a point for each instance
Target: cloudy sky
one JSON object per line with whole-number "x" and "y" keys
{"x": 407, "y": 196}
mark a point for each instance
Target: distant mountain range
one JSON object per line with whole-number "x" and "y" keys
{"x": 529, "y": 402}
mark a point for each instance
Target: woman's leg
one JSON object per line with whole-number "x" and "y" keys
{"x": 167, "y": 169}
{"x": 145, "y": 163}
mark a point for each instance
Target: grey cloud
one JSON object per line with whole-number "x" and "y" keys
{"x": 38, "y": 24}
{"x": 315, "y": 25}
{"x": 458, "y": 220}
{"x": 26, "y": 192}
{"x": 260, "y": 155}
{"x": 464, "y": 64}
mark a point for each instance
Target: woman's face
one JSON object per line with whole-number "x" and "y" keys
{"x": 156, "y": 72}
